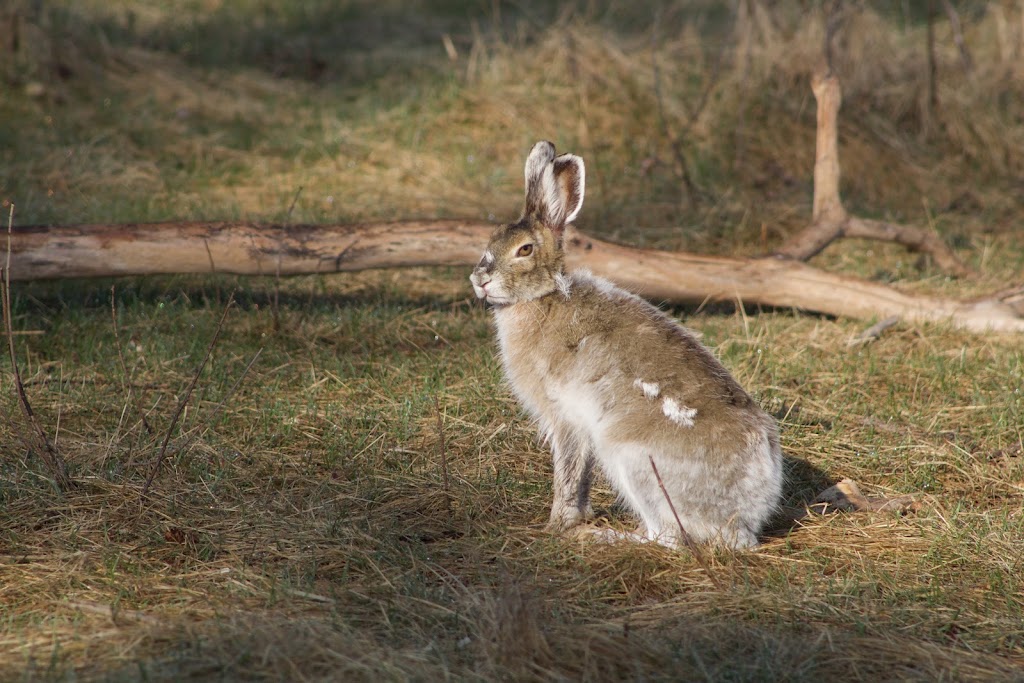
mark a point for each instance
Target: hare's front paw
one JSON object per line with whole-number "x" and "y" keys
{"x": 603, "y": 534}
{"x": 564, "y": 518}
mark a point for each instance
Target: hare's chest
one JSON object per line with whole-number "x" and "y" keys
{"x": 552, "y": 381}
{"x": 526, "y": 363}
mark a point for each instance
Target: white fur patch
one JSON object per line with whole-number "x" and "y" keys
{"x": 650, "y": 389}
{"x": 540, "y": 178}
{"x": 552, "y": 197}
{"x": 488, "y": 258}
{"x": 605, "y": 287}
{"x": 681, "y": 415}
{"x": 579, "y": 406}
{"x": 563, "y": 284}
{"x": 539, "y": 160}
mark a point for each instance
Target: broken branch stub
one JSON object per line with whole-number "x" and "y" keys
{"x": 829, "y": 219}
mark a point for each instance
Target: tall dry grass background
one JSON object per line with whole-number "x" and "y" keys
{"x": 301, "y": 526}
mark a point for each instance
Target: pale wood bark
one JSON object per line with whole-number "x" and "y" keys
{"x": 248, "y": 249}
{"x": 829, "y": 219}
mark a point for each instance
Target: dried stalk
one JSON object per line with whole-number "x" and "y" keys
{"x": 698, "y": 552}
{"x": 958, "y": 37}
{"x": 47, "y": 451}
{"x": 184, "y": 400}
{"x": 219, "y": 408}
{"x": 681, "y": 167}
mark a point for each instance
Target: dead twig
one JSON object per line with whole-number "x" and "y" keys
{"x": 874, "y": 332}
{"x": 184, "y": 399}
{"x": 47, "y": 451}
{"x": 219, "y": 408}
{"x": 291, "y": 207}
{"x": 834, "y": 18}
{"x": 958, "y": 37}
{"x": 829, "y": 219}
{"x": 26, "y": 333}
{"x": 698, "y": 553}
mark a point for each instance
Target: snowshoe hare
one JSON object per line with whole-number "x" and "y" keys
{"x": 614, "y": 381}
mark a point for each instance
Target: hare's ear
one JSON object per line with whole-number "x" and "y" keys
{"x": 570, "y": 176}
{"x": 554, "y": 186}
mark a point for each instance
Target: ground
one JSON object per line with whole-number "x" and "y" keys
{"x": 364, "y": 500}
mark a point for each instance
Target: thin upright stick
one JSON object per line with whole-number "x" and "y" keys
{"x": 208, "y": 422}
{"x": 698, "y": 553}
{"x": 681, "y": 168}
{"x": 958, "y": 37}
{"x": 184, "y": 400}
{"x": 47, "y": 451}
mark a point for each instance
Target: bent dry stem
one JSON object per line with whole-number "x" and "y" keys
{"x": 47, "y": 451}
{"x": 684, "y": 536}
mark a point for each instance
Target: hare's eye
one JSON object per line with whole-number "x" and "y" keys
{"x": 525, "y": 250}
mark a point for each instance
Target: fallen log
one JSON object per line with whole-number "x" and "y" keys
{"x": 39, "y": 252}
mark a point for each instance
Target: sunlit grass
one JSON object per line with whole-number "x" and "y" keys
{"x": 300, "y": 526}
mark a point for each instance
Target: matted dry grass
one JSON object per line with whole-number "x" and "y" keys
{"x": 305, "y": 533}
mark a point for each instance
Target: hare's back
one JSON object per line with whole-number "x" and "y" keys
{"x": 650, "y": 349}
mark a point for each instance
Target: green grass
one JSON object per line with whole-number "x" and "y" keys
{"x": 300, "y": 528}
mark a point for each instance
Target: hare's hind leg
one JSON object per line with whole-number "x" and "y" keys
{"x": 574, "y": 470}
{"x": 675, "y": 502}
{"x": 732, "y": 534}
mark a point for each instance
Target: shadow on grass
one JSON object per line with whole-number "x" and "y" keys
{"x": 201, "y": 291}
{"x": 803, "y": 483}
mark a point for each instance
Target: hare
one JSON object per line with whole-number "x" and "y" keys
{"x": 613, "y": 381}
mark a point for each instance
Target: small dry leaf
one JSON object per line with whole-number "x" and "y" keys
{"x": 181, "y": 536}
{"x": 846, "y": 496}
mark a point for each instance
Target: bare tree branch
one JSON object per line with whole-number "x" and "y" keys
{"x": 829, "y": 219}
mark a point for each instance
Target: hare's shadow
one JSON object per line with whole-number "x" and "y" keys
{"x": 802, "y": 485}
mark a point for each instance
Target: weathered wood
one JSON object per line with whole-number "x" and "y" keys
{"x": 239, "y": 247}
{"x": 829, "y": 219}
{"x": 249, "y": 249}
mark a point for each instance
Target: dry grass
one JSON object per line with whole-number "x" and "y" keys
{"x": 300, "y": 528}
